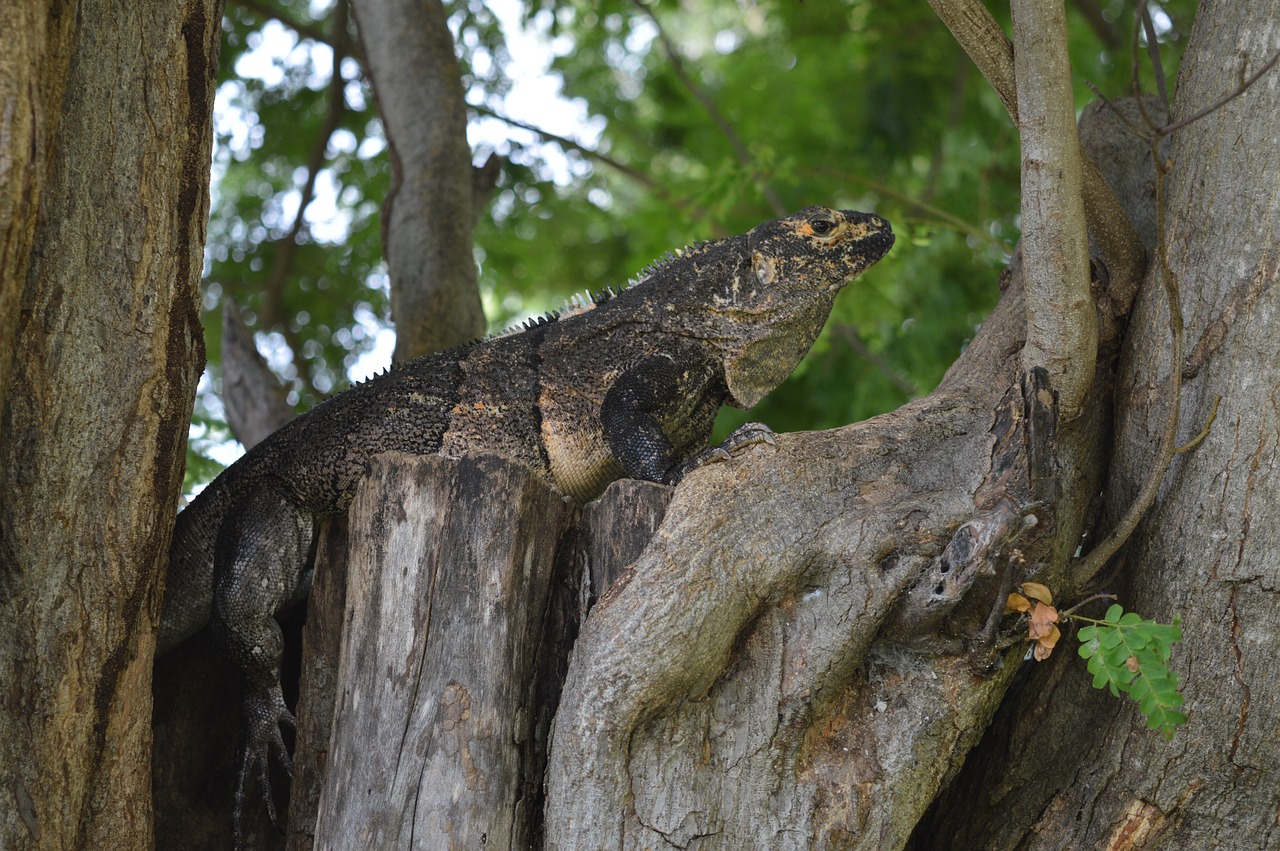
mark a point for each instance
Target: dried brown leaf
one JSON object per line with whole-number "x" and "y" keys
{"x": 1042, "y": 622}
{"x": 1039, "y": 592}
{"x": 1016, "y": 603}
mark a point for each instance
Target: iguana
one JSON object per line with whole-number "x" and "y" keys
{"x": 627, "y": 383}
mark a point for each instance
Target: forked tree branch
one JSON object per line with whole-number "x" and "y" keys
{"x": 1088, "y": 567}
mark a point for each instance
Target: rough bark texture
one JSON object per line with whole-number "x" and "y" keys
{"x": 1066, "y": 768}
{"x": 428, "y": 755}
{"x": 105, "y": 174}
{"x": 318, "y": 682}
{"x": 617, "y": 527}
{"x": 985, "y": 43}
{"x": 33, "y": 77}
{"x": 428, "y": 216}
{"x": 807, "y": 620}
{"x": 611, "y": 533}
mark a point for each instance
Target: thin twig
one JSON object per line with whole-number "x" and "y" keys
{"x": 1153, "y": 53}
{"x": 1240, "y": 89}
{"x": 1204, "y": 432}
{"x": 986, "y": 636}
{"x": 850, "y": 334}
{"x": 1133, "y": 128}
{"x": 887, "y": 191}
{"x": 647, "y": 181}
{"x": 1135, "y": 67}
{"x": 1089, "y": 565}
{"x": 1064, "y": 615}
{"x": 264, "y": 11}
{"x": 563, "y": 141}
{"x": 707, "y": 103}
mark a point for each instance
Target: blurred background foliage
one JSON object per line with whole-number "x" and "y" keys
{"x": 628, "y": 129}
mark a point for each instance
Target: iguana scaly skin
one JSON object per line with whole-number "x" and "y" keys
{"x": 627, "y": 384}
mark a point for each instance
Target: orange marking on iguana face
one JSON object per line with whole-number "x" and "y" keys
{"x": 857, "y": 231}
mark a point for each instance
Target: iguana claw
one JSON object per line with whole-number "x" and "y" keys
{"x": 747, "y": 434}
{"x": 264, "y": 712}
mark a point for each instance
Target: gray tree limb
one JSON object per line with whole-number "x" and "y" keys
{"x": 1062, "y": 332}
{"x": 428, "y": 215}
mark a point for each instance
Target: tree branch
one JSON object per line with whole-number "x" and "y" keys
{"x": 1153, "y": 52}
{"x": 634, "y": 174}
{"x": 428, "y": 214}
{"x": 985, "y": 42}
{"x": 1113, "y": 235}
{"x": 266, "y": 12}
{"x": 647, "y": 181}
{"x": 1062, "y": 328}
{"x": 949, "y": 219}
{"x": 1241, "y": 87}
{"x": 1089, "y": 566}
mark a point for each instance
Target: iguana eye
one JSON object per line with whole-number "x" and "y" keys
{"x": 822, "y": 226}
{"x": 764, "y": 268}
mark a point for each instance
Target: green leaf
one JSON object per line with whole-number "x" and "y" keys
{"x": 1125, "y": 639}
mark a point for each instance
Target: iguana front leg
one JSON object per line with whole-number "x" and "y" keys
{"x": 657, "y": 398}
{"x": 259, "y": 564}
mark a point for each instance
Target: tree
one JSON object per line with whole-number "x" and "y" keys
{"x": 107, "y": 129}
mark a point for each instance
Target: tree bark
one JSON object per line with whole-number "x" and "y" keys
{"x": 428, "y": 216}
{"x": 1065, "y": 765}
{"x": 426, "y": 755}
{"x": 817, "y": 620}
{"x": 107, "y": 134}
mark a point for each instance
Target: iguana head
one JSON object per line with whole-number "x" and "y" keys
{"x": 773, "y": 305}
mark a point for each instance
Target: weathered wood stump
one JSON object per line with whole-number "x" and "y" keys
{"x": 463, "y": 593}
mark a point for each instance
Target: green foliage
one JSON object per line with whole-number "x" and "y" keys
{"x": 1129, "y": 654}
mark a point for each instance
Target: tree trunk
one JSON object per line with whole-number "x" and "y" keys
{"x": 812, "y": 642}
{"x": 1066, "y": 766}
{"x": 107, "y": 133}
{"x": 428, "y": 216}
{"x": 436, "y": 754}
